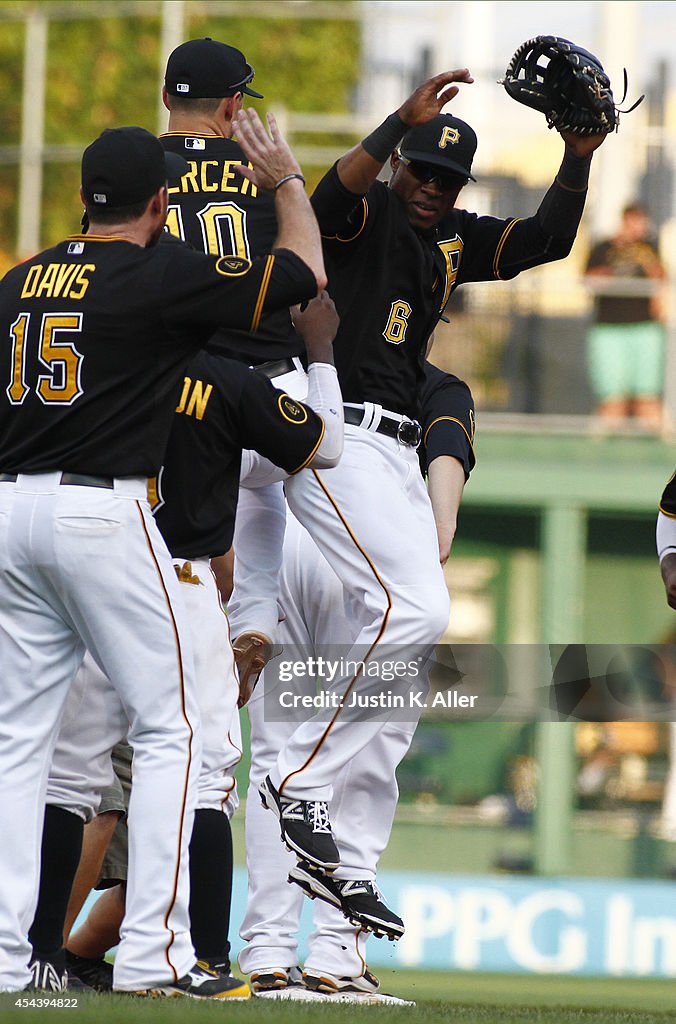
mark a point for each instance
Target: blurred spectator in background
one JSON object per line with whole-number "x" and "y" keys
{"x": 626, "y": 339}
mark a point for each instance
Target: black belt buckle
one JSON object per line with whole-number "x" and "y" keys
{"x": 72, "y": 480}
{"x": 409, "y": 433}
{"x": 87, "y": 480}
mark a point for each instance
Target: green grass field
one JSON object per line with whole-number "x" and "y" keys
{"x": 486, "y": 999}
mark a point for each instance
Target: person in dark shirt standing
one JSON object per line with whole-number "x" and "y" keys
{"x": 311, "y": 598}
{"x": 95, "y": 333}
{"x": 218, "y": 211}
{"x": 223, "y": 407}
{"x": 625, "y": 344}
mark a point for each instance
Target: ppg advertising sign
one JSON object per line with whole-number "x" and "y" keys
{"x": 534, "y": 925}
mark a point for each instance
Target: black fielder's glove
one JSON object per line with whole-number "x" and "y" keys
{"x": 566, "y": 83}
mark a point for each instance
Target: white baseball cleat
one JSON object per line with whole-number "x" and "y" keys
{"x": 360, "y": 991}
{"x": 272, "y": 980}
{"x": 322, "y": 981}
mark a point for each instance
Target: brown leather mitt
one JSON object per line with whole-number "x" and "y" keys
{"x": 252, "y": 653}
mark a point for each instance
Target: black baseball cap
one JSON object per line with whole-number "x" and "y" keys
{"x": 125, "y": 166}
{"x": 445, "y": 141}
{"x": 205, "y": 68}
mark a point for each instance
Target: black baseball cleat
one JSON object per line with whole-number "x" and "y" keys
{"x": 48, "y": 975}
{"x": 305, "y": 827}
{"x": 92, "y": 972}
{"x": 201, "y": 983}
{"x": 359, "y": 900}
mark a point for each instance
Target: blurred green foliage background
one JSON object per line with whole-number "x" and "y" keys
{"x": 106, "y": 71}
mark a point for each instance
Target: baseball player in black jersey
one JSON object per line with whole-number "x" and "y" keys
{"x": 96, "y": 332}
{"x": 394, "y": 255}
{"x": 223, "y": 407}
{"x": 365, "y": 790}
{"x": 213, "y": 207}
{"x": 666, "y": 539}
{"x": 218, "y": 211}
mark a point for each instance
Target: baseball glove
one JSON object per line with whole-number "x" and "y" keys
{"x": 566, "y": 83}
{"x": 252, "y": 653}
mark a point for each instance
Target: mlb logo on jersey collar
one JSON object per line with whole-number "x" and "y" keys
{"x": 194, "y": 143}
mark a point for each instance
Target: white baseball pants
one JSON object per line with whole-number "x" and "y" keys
{"x": 372, "y": 520}
{"x": 94, "y": 719}
{"x": 364, "y": 799}
{"x": 259, "y": 531}
{"x": 86, "y": 566}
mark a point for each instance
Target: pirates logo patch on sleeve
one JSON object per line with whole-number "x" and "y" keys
{"x": 292, "y": 411}
{"x": 233, "y": 266}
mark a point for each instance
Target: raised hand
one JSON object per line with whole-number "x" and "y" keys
{"x": 431, "y": 97}
{"x": 269, "y": 152}
{"x": 582, "y": 145}
{"x": 317, "y": 323}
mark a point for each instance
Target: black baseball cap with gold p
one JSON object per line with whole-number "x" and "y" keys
{"x": 207, "y": 69}
{"x": 445, "y": 141}
{"x": 124, "y": 166}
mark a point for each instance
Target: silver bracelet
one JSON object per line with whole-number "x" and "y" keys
{"x": 289, "y": 177}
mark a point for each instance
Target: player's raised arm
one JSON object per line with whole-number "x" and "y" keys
{"x": 317, "y": 325}
{"x": 359, "y": 168}
{"x": 276, "y": 169}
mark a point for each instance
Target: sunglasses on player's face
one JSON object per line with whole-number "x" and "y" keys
{"x": 427, "y": 173}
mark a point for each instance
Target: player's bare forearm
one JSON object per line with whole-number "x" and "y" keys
{"x": 317, "y": 325}
{"x": 360, "y": 167}
{"x": 446, "y": 481}
{"x": 668, "y": 570}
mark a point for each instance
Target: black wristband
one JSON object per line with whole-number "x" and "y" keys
{"x": 386, "y": 137}
{"x": 574, "y": 172}
{"x": 288, "y": 177}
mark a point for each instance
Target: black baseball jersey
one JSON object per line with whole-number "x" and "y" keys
{"x": 223, "y": 408}
{"x": 668, "y": 499}
{"x": 222, "y": 213}
{"x": 447, "y": 418}
{"x": 94, "y": 335}
{"x": 390, "y": 283}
